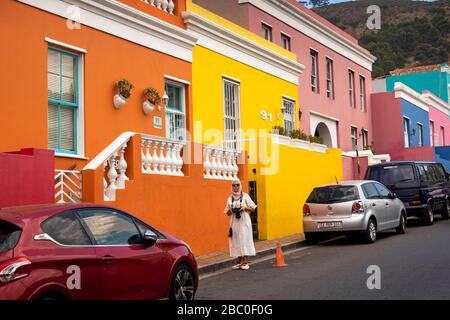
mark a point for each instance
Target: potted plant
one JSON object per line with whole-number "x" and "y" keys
{"x": 299, "y": 139}
{"x": 280, "y": 135}
{"x": 317, "y": 144}
{"x": 152, "y": 98}
{"x": 124, "y": 87}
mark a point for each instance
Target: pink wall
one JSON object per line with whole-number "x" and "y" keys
{"x": 27, "y": 177}
{"x": 440, "y": 119}
{"x": 387, "y": 123}
{"x": 350, "y": 167}
{"x": 338, "y": 108}
{"x": 417, "y": 153}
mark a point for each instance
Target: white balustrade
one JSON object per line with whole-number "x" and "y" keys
{"x": 219, "y": 163}
{"x": 68, "y": 186}
{"x": 164, "y": 5}
{"x": 166, "y": 156}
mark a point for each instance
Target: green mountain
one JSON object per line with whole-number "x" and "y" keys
{"x": 413, "y": 33}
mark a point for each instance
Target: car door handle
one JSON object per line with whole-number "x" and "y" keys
{"x": 373, "y": 204}
{"x": 108, "y": 259}
{"x": 387, "y": 203}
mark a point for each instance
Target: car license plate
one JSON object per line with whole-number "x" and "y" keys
{"x": 329, "y": 225}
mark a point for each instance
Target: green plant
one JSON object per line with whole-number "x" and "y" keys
{"x": 125, "y": 88}
{"x": 298, "y": 134}
{"x": 314, "y": 139}
{"x": 279, "y": 130}
{"x": 152, "y": 95}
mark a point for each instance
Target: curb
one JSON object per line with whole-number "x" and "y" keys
{"x": 217, "y": 266}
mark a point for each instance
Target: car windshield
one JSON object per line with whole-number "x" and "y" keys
{"x": 333, "y": 194}
{"x": 391, "y": 175}
{"x": 9, "y": 236}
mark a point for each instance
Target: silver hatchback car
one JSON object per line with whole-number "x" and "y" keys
{"x": 364, "y": 207}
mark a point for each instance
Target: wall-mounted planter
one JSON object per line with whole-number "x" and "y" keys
{"x": 318, "y": 147}
{"x": 148, "y": 107}
{"x": 279, "y": 139}
{"x": 301, "y": 144}
{"x": 119, "y": 101}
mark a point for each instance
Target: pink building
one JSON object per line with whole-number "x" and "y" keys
{"x": 334, "y": 90}
{"x": 439, "y": 120}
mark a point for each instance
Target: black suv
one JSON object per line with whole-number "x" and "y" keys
{"x": 423, "y": 186}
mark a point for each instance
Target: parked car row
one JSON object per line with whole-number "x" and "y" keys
{"x": 390, "y": 193}
{"x": 83, "y": 251}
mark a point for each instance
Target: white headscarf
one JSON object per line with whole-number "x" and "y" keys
{"x": 236, "y": 194}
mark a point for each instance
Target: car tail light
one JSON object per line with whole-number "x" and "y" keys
{"x": 306, "y": 210}
{"x": 14, "y": 269}
{"x": 357, "y": 207}
{"x": 415, "y": 203}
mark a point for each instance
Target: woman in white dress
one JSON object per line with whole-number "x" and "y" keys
{"x": 241, "y": 239}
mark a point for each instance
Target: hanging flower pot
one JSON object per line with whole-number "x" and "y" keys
{"x": 152, "y": 99}
{"x": 124, "y": 87}
{"x": 119, "y": 101}
{"x": 148, "y": 107}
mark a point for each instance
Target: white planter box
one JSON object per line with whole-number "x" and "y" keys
{"x": 301, "y": 144}
{"x": 283, "y": 140}
{"x": 319, "y": 147}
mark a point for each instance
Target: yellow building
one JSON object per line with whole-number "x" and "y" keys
{"x": 243, "y": 86}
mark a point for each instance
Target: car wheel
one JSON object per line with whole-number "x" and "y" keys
{"x": 370, "y": 235}
{"x": 444, "y": 212}
{"x": 182, "y": 287}
{"x": 310, "y": 238}
{"x": 428, "y": 219}
{"x": 401, "y": 229}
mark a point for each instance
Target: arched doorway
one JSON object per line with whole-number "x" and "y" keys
{"x": 323, "y": 131}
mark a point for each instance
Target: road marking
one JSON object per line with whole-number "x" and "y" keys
{"x": 269, "y": 257}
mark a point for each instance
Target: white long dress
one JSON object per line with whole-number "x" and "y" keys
{"x": 241, "y": 243}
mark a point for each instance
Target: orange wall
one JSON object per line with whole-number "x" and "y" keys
{"x": 23, "y": 114}
{"x": 190, "y": 207}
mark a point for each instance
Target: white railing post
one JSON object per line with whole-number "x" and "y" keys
{"x": 219, "y": 163}
{"x": 165, "y": 5}
{"x": 171, "y": 7}
{"x": 206, "y": 162}
{"x": 112, "y": 176}
{"x": 122, "y": 166}
{"x": 158, "y": 3}
{"x": 235, "y": 166}
{"x": 166, "y": 159}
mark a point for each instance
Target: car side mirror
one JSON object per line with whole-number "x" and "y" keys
{"x": 150, "y": 237}
{"x": 393, "y": 195}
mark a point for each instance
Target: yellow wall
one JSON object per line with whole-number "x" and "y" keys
{"x": 281, "y": 195}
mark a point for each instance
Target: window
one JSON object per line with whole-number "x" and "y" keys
{"x": 333, "y": 194}
{"x": 9, "y": 236}
{"x": 330, "y": 80}
{"x": 365, "y": 139}
{"x": 432, "y": 142}
{"x": 314, "y": 71}
{"x": 266, "y": 31}
{"x": 63, "y": 100}
{"x": 362, "y": 93}
{"x": 442, "y": 136}
{"x": 351, "y": 88}
{"x": 440, "y": 173}
{"x": 175, "y": 112}
{"x": 66, "y": 229}
{"x": 354, "y": 133}
{"x": 286, "y": 41}
{"x": 427, "y": 173}
{"x": 111, "y": 227}
{"x": 383, "y": 192}
{"x": 289, "y": 115}
{"x": 420, "y": 134}
{"x": 231, "y": 114}
{"x": 391, "y": 174}
{"x": 406, "y": 132}
{"x": 370, "y": 191}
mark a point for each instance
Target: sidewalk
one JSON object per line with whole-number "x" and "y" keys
{"x": 216, "y": 261}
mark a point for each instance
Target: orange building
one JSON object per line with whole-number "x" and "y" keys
{"x": 60, "y": 64}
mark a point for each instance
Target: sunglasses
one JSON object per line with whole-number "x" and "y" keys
{"x": 235, "y": 185}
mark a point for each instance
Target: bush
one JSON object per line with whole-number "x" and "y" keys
{"x": 298, "y": 134}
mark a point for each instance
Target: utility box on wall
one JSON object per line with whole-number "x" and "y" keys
{"x": 27, "y": 177}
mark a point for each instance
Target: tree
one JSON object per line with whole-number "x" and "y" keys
{"x": 319, "y": 3}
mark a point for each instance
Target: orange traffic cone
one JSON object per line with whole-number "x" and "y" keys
{"x": 279, "y": 262}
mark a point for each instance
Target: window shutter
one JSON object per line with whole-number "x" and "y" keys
{"x": 53, "y": 125}
{"x": 68, "y": 77}
{"x": 54, "y": 68}
{"x": 67, "y": 128}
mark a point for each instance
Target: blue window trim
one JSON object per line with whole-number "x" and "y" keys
{"x": 66, "y": 103}
{"x": 182, "y": 107}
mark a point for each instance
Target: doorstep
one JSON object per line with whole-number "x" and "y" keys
{"x": 216, "y": 261}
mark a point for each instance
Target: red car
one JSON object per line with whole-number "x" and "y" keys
{"x": 82, "y": 251}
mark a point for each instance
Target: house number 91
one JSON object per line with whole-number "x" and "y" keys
{"x": 264, "y": 115}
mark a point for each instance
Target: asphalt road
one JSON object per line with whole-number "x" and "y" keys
{"x": 415, "y": 265}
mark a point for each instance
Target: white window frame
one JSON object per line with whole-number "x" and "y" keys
{"x": 362, "y": 93}
{"x": 232, "y": 142}
{"x": 288, "y": 114}
{"x": 354, "y": 135}
{"x": 365, "y": 138}
{"x": 286, "y": 39}
{"x": 330, "y": 77}
{"x": 314, "y": 57}
{"x": 420, "y": 134}
{"x": 172, "y": 113}
{"x": 266, "y": 31}
{"x": 406, "y": 126}
{"x": 432, "y": 141}
{"x": 442, "y": 134}
{"x": 351, "y": 88}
